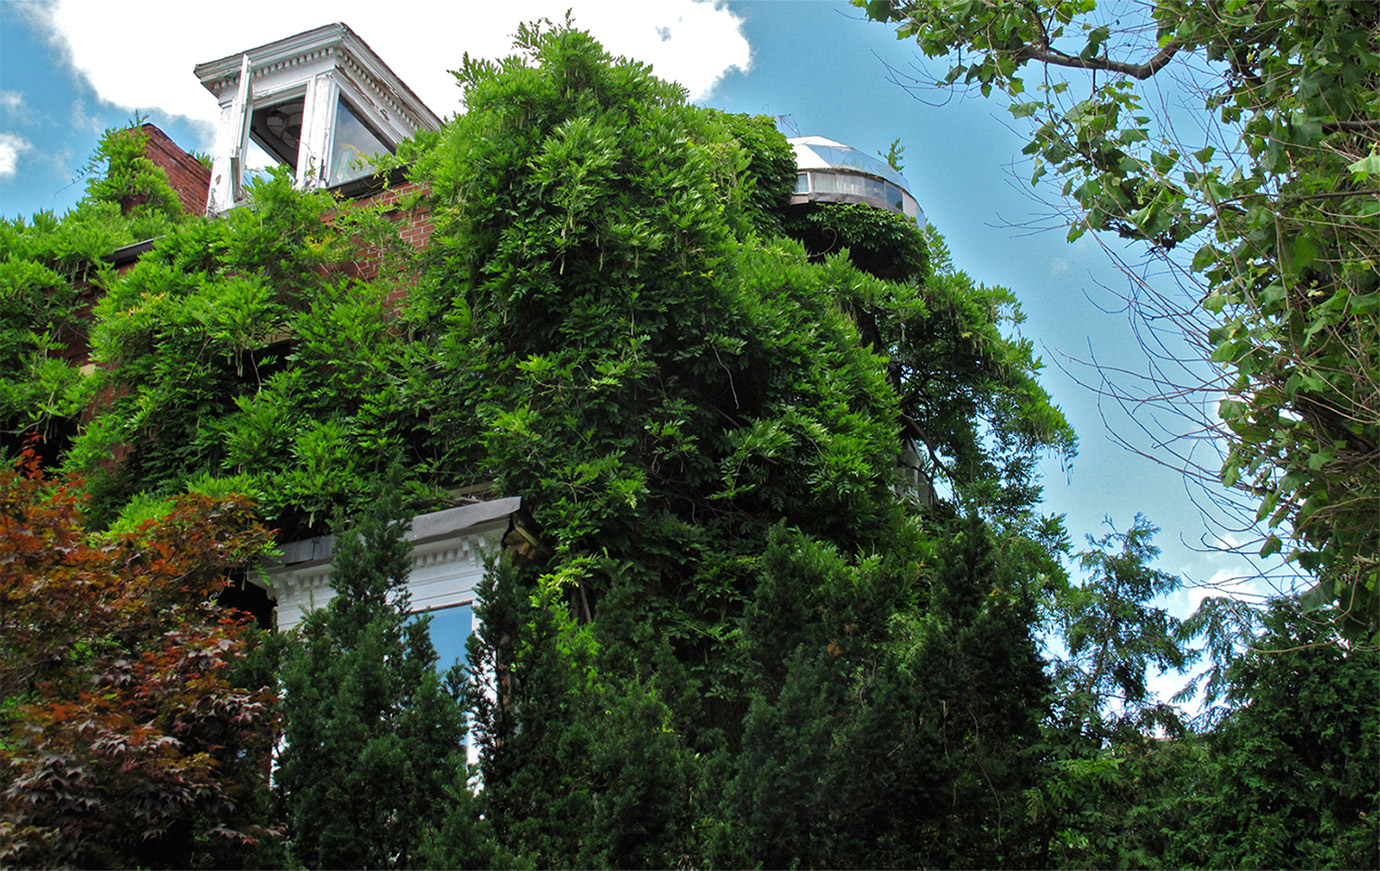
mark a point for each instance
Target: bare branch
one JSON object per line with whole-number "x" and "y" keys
{"x": 1362, "y": 124}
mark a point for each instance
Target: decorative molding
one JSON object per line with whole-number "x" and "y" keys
{"x": 335, "y": 43}
{"x": 448, "y": 553}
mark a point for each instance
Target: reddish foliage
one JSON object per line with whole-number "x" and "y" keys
{"x": 124, "y": 739}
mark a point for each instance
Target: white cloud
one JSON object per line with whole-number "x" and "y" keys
{"x": 11, "y": 146}
{"x": 1058, "y": 265}
{"x": 1230, "y": 584}
{"x": 11, "y": 101}
{"x": 141, "y": 56}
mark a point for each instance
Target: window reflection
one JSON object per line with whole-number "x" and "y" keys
{"x": 278, "y": 130}
{"x": 352, "y": 147}
{"x": 882, "y": 194}
{"x": 450, "y": 630}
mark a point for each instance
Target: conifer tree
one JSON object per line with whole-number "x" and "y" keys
{"x": 374, "y": 741}
{"x": 896, "y": 722}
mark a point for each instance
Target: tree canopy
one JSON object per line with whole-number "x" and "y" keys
{"x": 1270, "y": 171}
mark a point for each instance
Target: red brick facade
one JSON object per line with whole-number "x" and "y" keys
{"x": 407, "y": 207}
{"x": 416, "y": 223}
{"x": 190, "y": 179}
{"x": 405, "y": 203}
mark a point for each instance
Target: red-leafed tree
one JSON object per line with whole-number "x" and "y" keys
{"x": 133, "y": 731}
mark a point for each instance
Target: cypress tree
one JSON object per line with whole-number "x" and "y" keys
{"x": 373, "y": 740}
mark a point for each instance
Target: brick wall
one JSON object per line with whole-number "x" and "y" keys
{"x": 414, "y": 221}
{"x": 188, "y": 177}
{"x": 407, "y": 206}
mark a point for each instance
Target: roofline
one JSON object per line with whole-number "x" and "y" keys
{"x": 220, "y": 75}
{"x": 887, "y": 173}
{"x": 422, "y": 528}
{"x": 130, "y": 253}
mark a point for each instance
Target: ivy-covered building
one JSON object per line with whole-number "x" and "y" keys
{"x": 614, "y": 336}
{"x": 660, "y": 359}
{"x": 322, "y": 105}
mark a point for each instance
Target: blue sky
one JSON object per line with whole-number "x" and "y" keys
{"x": 68, "y": 70}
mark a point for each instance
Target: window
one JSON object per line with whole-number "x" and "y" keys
{"x": 450, "y": 630}
{"x": 352, "y": 145}
{"x": 278, "y": 130}
{"x": 320, "y": 103}
{"x": 451, "y": 627}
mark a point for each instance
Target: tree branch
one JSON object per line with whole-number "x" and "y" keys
{"x": 1049, "y": 55}
{"x": 1339, "y": 126}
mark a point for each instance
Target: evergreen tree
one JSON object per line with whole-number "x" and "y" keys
{"x": 374, "y": 741}
{"x": 1296, "y": 761}
{"x": 1115, "y": 633}
{"x": 897, "y": 718}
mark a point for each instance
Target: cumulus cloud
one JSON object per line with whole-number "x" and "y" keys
{"x": 144, "y": 61}
{"x": 11, "y": 101}
{"x": 11, "y": 146}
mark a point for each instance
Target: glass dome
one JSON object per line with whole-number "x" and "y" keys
{"x": 829, "y": 171}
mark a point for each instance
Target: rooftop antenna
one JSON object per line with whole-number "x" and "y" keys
{"x": 786, "y": 124}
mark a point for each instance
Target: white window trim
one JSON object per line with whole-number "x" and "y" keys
{"x": 321, "y": 65}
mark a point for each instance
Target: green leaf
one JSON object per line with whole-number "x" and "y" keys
{"x": 1305, "y": 252}
{"x": 1231, "y": 474}
{"x": 1317, "y": 460}
{"x": 1366, "y": 166}
{"x": 1204, "y": 257}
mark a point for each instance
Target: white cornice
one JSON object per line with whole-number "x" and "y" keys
{"x": 338, "y": 46}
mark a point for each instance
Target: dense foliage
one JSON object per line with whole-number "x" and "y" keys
{"x": 133, "y": 729}
{"x": 705, "y": 420}
{"x": 1278, "y": 192}
{"x": 50, "y": 275}
{"x": 743, "y": 641}
{"x": 220, "y": 353}
{"x": 1286, "y": 780}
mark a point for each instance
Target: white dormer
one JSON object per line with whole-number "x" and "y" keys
{"x": 321, "y": 103}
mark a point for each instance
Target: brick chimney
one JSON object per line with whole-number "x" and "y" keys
{"x": 188, "y": 177}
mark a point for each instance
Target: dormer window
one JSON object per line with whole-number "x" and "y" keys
{"x": 278, "y": 130}
{"x": 353, "y": 145}
{"x": 320, "y": 103}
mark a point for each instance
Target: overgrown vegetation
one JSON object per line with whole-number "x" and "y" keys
{"x": 741, "y": 643}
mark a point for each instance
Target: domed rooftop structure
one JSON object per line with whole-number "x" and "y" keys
{"x": 831, "y": 172}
